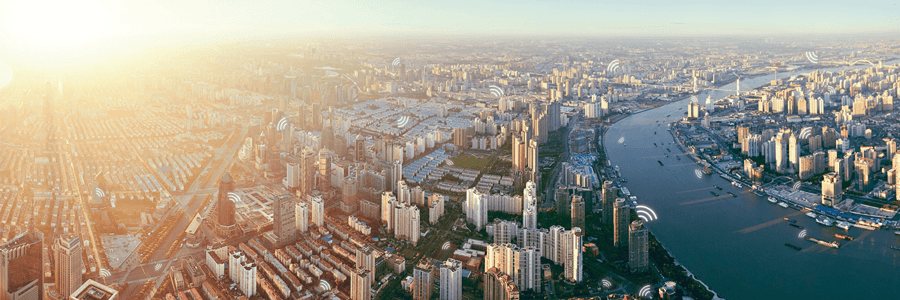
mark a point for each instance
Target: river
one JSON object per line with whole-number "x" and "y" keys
{"x": 736, "y": 245}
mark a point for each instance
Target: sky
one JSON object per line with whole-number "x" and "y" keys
{"x": 65, "y": 24}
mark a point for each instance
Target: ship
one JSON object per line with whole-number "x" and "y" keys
{"x": 716, "y": 186}
{"x": 843, "y": 237}
{"x": 772, "y": 199}
{"x": 670, "y": 150}
{"x": 714, "y": 193}
{"x": 834, "y": 244}
{"x": 793, "y": 246}
{"x": 897, "y": 232}
{"x": 782, "y": 204}
{"x": 707, "y": 170}
{"x": 843, "y": 225}
{"x": 738, "y": 184}
{"x": 732, "y": 194}
{"x": 677, "y": 157}
{"x": 660, "y": 163}
{"x": 863, "y": 225}
{"x": 795, "y": 225}
{"x": 824, "y": 221}
{"x": 654, "y": 145}
{"x": 811, "y": 214}
{"x": 895, "y": 248}
{"x": 790, "y": 220}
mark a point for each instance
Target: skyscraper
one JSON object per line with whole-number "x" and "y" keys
{"x": 529, "y": 206}
{"x": 610, "y": 192}
{"x": 360, "y": 285}
{"x": 284, "y": 224}
{"x": 21, "y": 262}
{"x": 317, "y": 213}
{"x": 638, "y": 247}
{"x": 324, "y": 180}
{"x": 359, "y": 148}
{"x": 301, "y": 216}
{"x": 574, "y": 259}
{"x": 307, "y": 171}
{"x": 68, "y": 263}
{"x": 422, "y": 280}
{"x": 365, "y": 259}
{"x": 794, "y": 149}
{"x": 621, "y": 216}
{"x": 577, "y": 212}
{"x": 226, "y": 204}
{"x": 499, "y": 286}
{"x": 451, "y": 280}
{"x": 832, "y": 189}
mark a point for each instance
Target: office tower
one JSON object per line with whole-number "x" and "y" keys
{"x": 92, "y": 290}
{"x": 301, "y": 216}
{"x": 359, "y": 148}
{"x": 832, "y": 189}
{"x": 573, "y": 265}
{"x": 781, "y": 161}
{"x": 68, "y": 263}
{"x": 610, "y": 193}
{"x": 396, "y": 175}
{"x": 324, "y": 179}
{"x": 638, "y": 247}
{"x": 794, "y": 149}
{"x": 308, "y": 171}
{"x": 21, "y": 262}
{"x": 365, "y": 259}
{"x": 284, "y": 224}
{"x": 317, "y": 211}
{"x": 577, "y": 212}
{"x": 529, "y": 206}
{"x": 226, "y": 204}
{"x": 621, "y": 219}
{"x": 864, "y": 174}
{"x": 499, "y": 286}
{"x": 451, "y": 280}
{"x": 292, "y": 176}
{"x": 423, "y": 280}
{"x": 360, "y": 285}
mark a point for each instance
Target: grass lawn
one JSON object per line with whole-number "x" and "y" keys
{"x": 467, "y": 161}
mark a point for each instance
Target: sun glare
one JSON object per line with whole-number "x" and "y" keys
{"x": 58, "y": 27}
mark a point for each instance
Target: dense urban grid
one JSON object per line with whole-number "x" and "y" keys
{"x": 430, "y": 169}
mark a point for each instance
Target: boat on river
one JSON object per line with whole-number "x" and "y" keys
{"x": 782, "y": 204}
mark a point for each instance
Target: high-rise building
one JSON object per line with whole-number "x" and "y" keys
{"x": 284, "y": 223}
{"x": 21, "y": 262}
{"x": 317, "y": 211}
{"x": 864, "y": 174}
{"x": 610, "y": 193}
{"x": 832, "y": 189}
{"x": 396, "y": 175}
{"x": 242, "y": 271}
{"x": 621, "y": 219}
{"x": 360, "y": 285}
{"x": 301, "y": 216}
{"x": 475, "y": 208}
{"x": 292, "y": 176}
{"x": 365, "y": 259}
{"x": 499, "y": 286}
{"x": 574, "y": 255}
{"x": 423, "y": 280}
{"x": 307, "y": 171}
{"x": 324, "y": 179}
{"x": 577, "y": 212}
{"x": 68, "y": 263}
{"x": 529, "y": 206}
{"x": 435, "y": 208}
{"x": 225, "y": 203}
{"x": 92, "y": 290}
{"x": 794, "y": 149}
{"x": 638, "y": 247}
{"x": 451, "y": 280}
{"x": 359, "y": 148}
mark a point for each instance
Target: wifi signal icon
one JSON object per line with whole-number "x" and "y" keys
{"x": 812, "y": 57}
{"x": 446, "y": 246}
{"x": 802, "y": 234}
{"x": 797, "y": 185}
{"x": 282, "y": 124}
{"x": 698, "y": 173}
{"x": 234, "y": 197}
{"x": 645, "y": 213}
{"x": 805, "y": 133}
{"x": 613, "y": 66}
{"x": 496, "y": 91}
{"x": 105, "y": 273}
{"x": 694, "y": 99}
{"x": 99, "y": 192}
{"x": 831, "y": 90}
{"x": 646, "y": 292}
{"x": 606, "y": 283}
{"x": 396, "y": 62}
{"x": 403, "y": 121}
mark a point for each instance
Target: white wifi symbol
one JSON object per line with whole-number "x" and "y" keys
{"x": 802, "y": 234}
{"x": 797, "y": 186}
{"x": 812, "y": 57}
{"x": 446, "y": 245}
{"x": 694, "y": 99}
{"x": 606, "y": 284}
{"x": 403, "y": 121}
{"x": 698, "y": 173}
{"x": 99, "y": 192}
{"x": 831, "y": 90}
{"x": 613, "y": 66}
{"x": 496, "y": 91}
{"x": 104, "y": 273}
{"x": 645, "y": 213}
{"x": 234, "y": 197}
{"x": 396, "y": 62}
{"x": 646, "y": 291}
{"x": 282, "y": 124}
{"x": 158, "y": 266}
